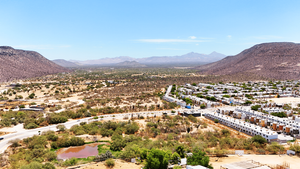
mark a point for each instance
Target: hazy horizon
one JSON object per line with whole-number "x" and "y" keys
{"x": 93, "y": 30}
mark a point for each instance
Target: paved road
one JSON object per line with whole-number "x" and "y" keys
{"x": 21, "y": 134}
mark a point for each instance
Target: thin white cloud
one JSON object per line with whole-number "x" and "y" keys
{"x": 193, "y": 37}
{"x": 229, "y": 36}
{"x": 169, "y": 40}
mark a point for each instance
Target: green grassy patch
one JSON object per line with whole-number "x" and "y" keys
{"x": 107, "y": 141}
{"x": 87, "y": 160}
{"x": 103, "y": 148}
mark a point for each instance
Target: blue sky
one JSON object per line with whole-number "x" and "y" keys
{"x": 85, "y": 30}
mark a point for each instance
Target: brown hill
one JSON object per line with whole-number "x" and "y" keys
{"x": 21, "y": 64}
{"x": 278, "y": 60}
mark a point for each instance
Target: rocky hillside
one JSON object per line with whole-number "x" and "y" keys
{"x": 21, "y": 64}
{"x": 278, "y": 60}
{"x": 64, "y": 63}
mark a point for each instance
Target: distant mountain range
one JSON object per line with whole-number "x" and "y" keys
{"x": 187, "y": 58}
{"x": 130, "y": 64}
{"x": 22, "y": 64}
{"x": 278, "y": 60}
{"x": 65, "y": 63}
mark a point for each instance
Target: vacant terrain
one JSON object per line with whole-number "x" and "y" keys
{"x": 270, "y": 160}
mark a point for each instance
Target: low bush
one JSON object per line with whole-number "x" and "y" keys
{"x": 110, "y": 162}
{"x": 103, "y": 156}
{"x": 70, "y": 162}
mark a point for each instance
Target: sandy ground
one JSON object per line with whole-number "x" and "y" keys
{"x": 118, "y": 164}
{"x": 293, "y": 100}
{"x": 16, "y": 128}
{"x": 271, "y": 160}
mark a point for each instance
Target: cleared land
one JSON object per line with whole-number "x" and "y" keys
{"x": 118, "y": 164}
{"x": 270, "y": 160}
{"x": 293, "y": 100}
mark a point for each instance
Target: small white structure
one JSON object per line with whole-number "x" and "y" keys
{"x": 290, "y": 152}
{"x": 196, "y": 167}
{"x": 183, "y": 161}
{"x": 239, "y": 152}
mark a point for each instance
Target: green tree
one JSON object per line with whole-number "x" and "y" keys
{"x": 48, "y": 166}
{"x": 132, "y": 151}
{"x": 131, "y": 128}
{"x": 295, "y": 147}
{"x": 117, "y": 145}
{"x": 55, "y": 119}
{"x": 61, "y": 127}
{"x": 259, "y": 139}
{"x": 51, "y": 155}
{"x": 157, "y": 159}
{"x": 256, "y": 107}
{"x": 279, "y": 114}
{"x": 216, "y": 120}
{"x": 275, "y": 148}
{"x": 33, "y": 165}
{"x": 213, "y": 98}
{"x": 180, "y": 150}
{"x": 247, "y": 102}
{"x": 175, "y": 158}
{"x": 31, "y": 126}
{"x": 202, "y": 106}
{"x": 198, "y": 158}
{"x": 15, "y": 142}
{"x": 225, "y": 132}
{"x": 76, "y": 141}
{"x": 31, "y": 96}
